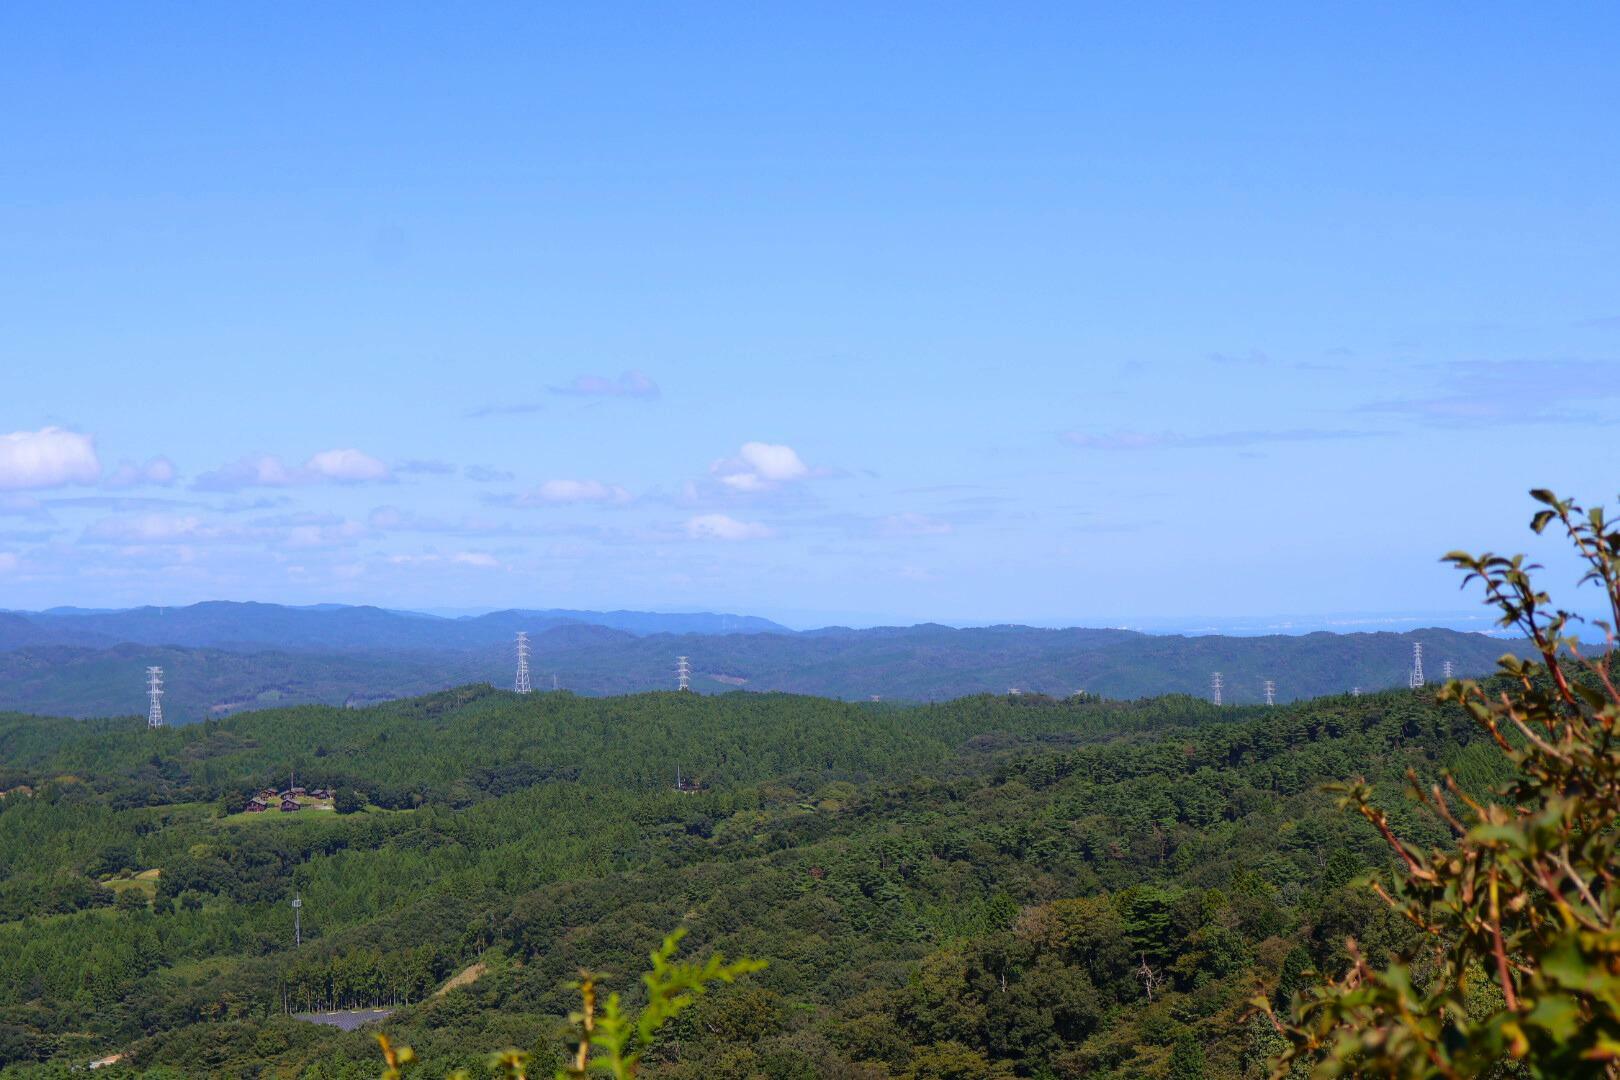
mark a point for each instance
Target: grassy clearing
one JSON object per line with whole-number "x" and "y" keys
{"x": 144, "y": 882}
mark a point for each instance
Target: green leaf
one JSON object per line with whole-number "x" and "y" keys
{"x": 1559, "y": 1015}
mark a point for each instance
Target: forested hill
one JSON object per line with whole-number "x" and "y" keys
{"x": 918, "y": 663}
{"x": 969, "y": 889}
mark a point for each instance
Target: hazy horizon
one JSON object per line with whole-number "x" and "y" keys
{"x": 1480, "y": 621}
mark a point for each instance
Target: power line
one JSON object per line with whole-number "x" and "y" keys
{"x": 683, "y": 673}
{"x": 1215, "y": 685}
{"x": 522, "y": 684}
{"x": 154, "y": 697}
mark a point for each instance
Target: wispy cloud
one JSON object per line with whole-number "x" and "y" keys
{"x": 913, "y": 524}
{"x": 724, "y": 527}
{"x": 392, "y": 519}
{"x": 629, "y": 384}
{"x": 1250, "y": 357}
{"x": 339, "y": 466}
{"x": 158, "y": 528}
{"x": 478, "y": 560}
{"x": 1497, "y": 392}
{"x": 486, "y": 474}
{"x": 157, "y": 472}
{"x": 120, "y": 503}
{"x": 1169, "y": 440}
{"x": 303, "y": 530}
{"x": 570, "y": 492}
{"x": 425, "y": 468}
{"x": 521, "y": 408}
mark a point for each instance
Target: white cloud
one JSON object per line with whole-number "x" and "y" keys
{"x": 49, "y": 457}
{"x": 158, "y": 472}
{"x": 8, "y": 562}
{"x": 760, "y": 466}
{"x": 340, "y": 466}
{"x": 723, "y": 527}
{"x": 480, "y": 560}
{"x": 347, "y": 466}
{"x": 563, "y": 492}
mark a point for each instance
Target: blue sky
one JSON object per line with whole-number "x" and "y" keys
{"x": 1060, "y": 313}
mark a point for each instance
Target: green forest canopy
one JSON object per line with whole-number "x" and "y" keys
{"x": 994, "y": 886}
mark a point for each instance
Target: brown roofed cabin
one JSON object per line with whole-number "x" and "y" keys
{"x": 290, "y": 805}
{"x": 257, "y": 806}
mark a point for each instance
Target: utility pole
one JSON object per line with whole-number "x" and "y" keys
{"x": 1415, "y": 679}
{"x": 522, "y": 684}
{"x": 154, "y": 697}
{"x": 683, "y": 673}
{"x": 1271, "y": 692}
{"x": 1215, "y": 687}
{"x": 298, "y": 920}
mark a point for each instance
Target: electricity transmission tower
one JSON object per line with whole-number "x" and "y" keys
{"x": 1445, "y": 669}
{"x": 522, "y": 685}
{"x": 683, "y": 673}
{"x": 1271, "y": 692}
{"x": 1215, "y": 685}
{"x": 1415, "y": 679}
{"x": 1355, "y": 691}
{"x": 154, "y": 697}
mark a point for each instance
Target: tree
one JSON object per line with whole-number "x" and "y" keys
{"x": 1187, "y": 1059}
{"x": 1519, "y": 955}
{"x": 610, "y": 1040}
{"x": 348, "y": 801}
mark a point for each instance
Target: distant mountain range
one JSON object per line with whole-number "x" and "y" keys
{"x": 224, "y": 657}
{"x": 241, "y": 627}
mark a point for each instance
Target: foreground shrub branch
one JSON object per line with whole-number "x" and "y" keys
{"x": 1519, "y": 963}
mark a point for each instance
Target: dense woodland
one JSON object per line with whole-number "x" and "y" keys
{"x": 990, "y": 887}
